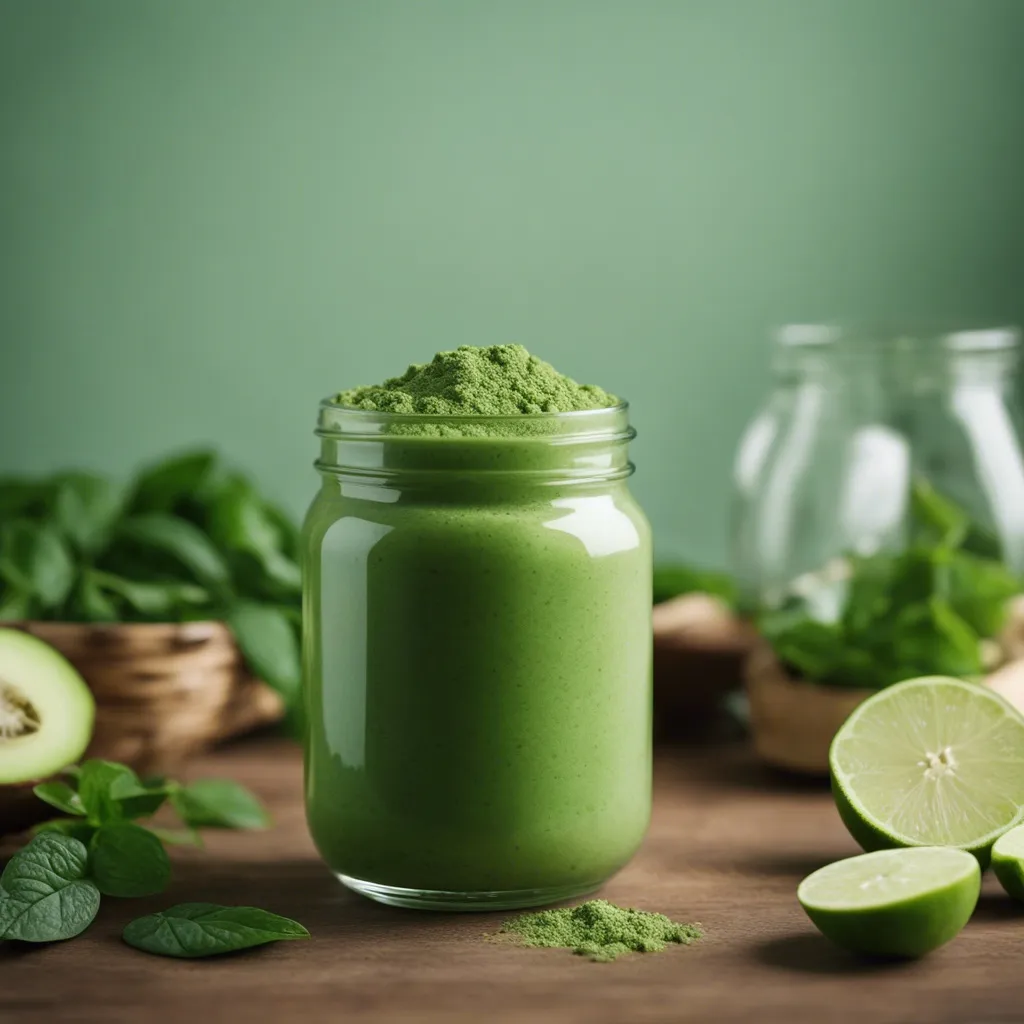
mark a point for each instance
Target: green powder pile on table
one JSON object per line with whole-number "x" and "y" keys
{"x": 501, "y": 380}
{"x": 600, "y": 930}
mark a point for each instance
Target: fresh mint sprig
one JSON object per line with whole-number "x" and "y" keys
{"x": 51, "y": 889}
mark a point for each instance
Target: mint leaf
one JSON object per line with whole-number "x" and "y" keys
{"x": 44, "y": 892}
{"x": 61, "y": 796}
{"x": 101, "y": 787}
{"x": 128, "y": 860}
{"x": 192, "y": 930}
{"x": 77, "y": 828}
{"x": 219, "y": 803}
{"x": 979, "y": 590}
{"x": 268, "y": 642}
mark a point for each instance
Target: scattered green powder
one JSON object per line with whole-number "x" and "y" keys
{"x": 502, "y": 380}
{"x": 600, "y": 930}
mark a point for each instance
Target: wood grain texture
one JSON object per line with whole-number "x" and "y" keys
{"x": 727, "y": 847}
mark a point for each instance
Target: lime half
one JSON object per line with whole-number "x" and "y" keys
{"x": 1008, "y": 862}
{"x": 930, "y": 762}
{"x": 894, "y": 902}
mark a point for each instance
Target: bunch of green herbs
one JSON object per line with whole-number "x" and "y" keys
{"x": 52, "y": 888}
{"x": 926, "y": 610}
{"x": 185, "y": 540}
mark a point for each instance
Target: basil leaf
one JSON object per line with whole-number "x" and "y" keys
{"x": 86, "y": 509}
{"x": 161, "y": 487}
{"x": 181, "y": 540}
{"x": 34, "y": 560}
{"x": 219, "y": 803}
{"x": 269, "y": 645}
{"x": 77, "y": 828}
{"x": 44, "y": 893}
{"x": 128, "y": 860}
{"x": 61, "y": 796}
{"x": 205, "y": 929}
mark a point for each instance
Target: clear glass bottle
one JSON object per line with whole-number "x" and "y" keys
{"x": 477, "y": 655}
{"x": 862, "y": 423}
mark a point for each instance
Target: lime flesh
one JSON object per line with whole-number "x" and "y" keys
{"x": 1008, "y": 862}
{"x": 930, "y": 762}
{"x": 897, "y": 903}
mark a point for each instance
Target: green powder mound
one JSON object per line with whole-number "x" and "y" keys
{"x": 600, "y": 930}
{"x": 501, "y": 380}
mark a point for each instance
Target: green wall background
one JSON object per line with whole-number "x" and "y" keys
{"x": 214, "y": 212}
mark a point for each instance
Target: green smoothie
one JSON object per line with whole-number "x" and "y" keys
{"x": 477, "y": 655}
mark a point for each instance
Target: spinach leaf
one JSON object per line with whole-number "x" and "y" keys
{"x": 60, "y": 795}
{"x": 15, "y": 606}
{"x": 156, "y": 600}
{"x": 44, "y": 892}
{"x": 181, "y": 540}
{"x": 268, "y": 642}
{"x": 205, "y": 929}
{"x": 34, "y": 560}
{"x": 161, "y": 487}
{"x": 86, "y": 509}
{"x": 101, "y": 787}
{"x": 177, "y": 836}
{"x": 128, "y": 860}
{"x": 219, "y": 803}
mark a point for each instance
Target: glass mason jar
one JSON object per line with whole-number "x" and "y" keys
{"x": 477, "y": 655}
{"x": 866, "y": 432}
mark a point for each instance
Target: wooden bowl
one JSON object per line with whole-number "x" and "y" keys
{"x": 700, "y": 647}
{"x": 163, "y": 693}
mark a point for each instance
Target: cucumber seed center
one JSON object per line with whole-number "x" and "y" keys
{"x": 18, "y": 716}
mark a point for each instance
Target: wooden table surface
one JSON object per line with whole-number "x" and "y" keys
{"x": 727, "y": 847}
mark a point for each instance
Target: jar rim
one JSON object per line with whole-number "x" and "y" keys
{"x": 337, "y": 420}
{"x": 966, "y": 337}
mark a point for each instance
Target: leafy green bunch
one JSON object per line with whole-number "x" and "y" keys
{"x": 185, "y": 540}
{"x": 923, "y": 611}
{"x": 51, "y": 889}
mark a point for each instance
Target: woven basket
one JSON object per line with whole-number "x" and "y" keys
{"x": 163, "y": 693}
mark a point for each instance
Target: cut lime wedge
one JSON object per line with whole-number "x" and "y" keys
{"x": 1008, "y": 862}
{"x": 930, "y": 762}
{"x": 893, "y": 902}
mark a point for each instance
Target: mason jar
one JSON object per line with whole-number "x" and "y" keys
{"x": 477, "y": 656}
{"x": 863, "y": 425}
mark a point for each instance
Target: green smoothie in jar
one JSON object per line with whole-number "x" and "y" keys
{"x": 477, "y": 641}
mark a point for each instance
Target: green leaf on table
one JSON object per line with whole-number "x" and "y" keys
{"x": 45, "y": 894}
{"x": 219, "y": 803}
{"x": 177, "y": 836}
{"x": 159, "y": 488}
{"x": 103, "y": 785}
{"x": 181, "y": 540}
{"x": 128, "y": 860}
{"x": 86, "y": 508}
{"x": 35, "y": 560}
{"x": 269, "y": 644}
{"x": 77, "y": 828}
{"x": 192, "y": 930}
{"x": 60, "y": 795}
